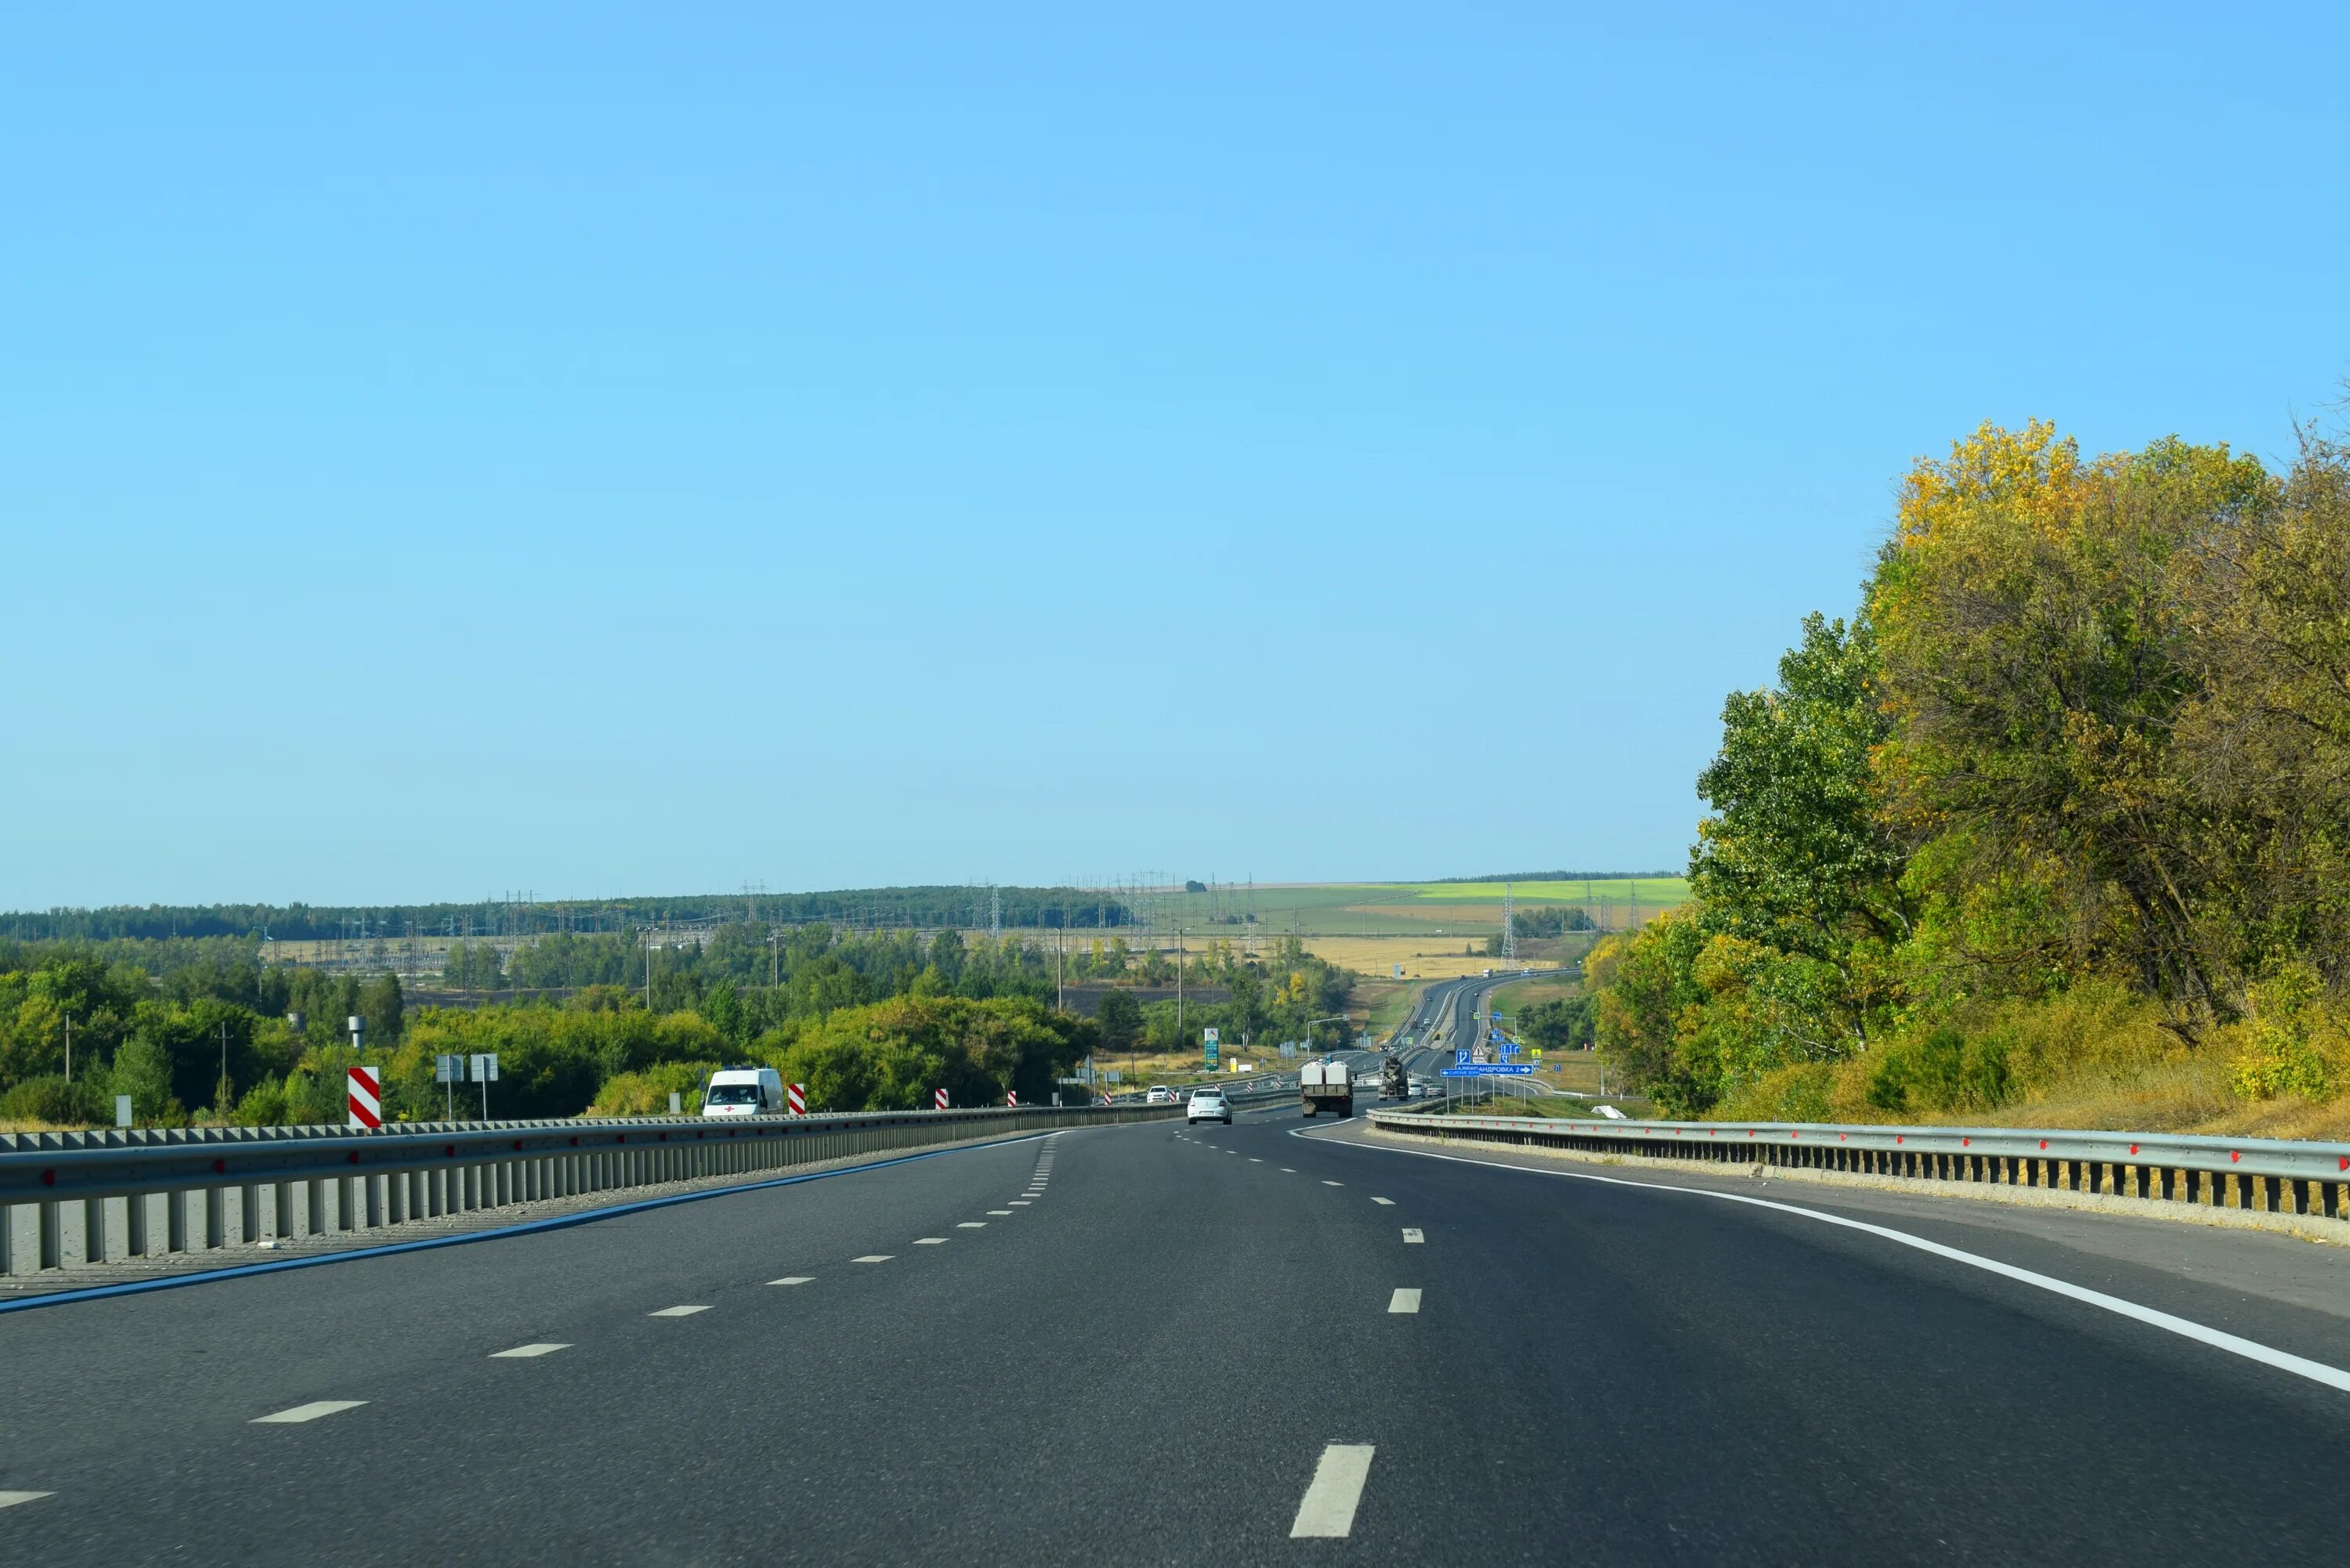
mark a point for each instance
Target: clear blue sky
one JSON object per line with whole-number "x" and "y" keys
{"x": 644, "y": 449}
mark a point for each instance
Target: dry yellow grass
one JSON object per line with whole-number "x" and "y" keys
{"x": 1423, "y": 958}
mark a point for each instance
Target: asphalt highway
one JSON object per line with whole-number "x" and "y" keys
{"x": 1217, "y": 1344}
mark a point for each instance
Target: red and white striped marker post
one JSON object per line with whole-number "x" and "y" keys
{"x": 797, "y": 1094}
{"x": 1011, "y": 1098}
{"x": 939, "y": 1099}
{"x": 365, "y": 1092}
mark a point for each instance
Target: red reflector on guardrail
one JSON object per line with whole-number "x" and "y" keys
{"x": 48, "y": 1178}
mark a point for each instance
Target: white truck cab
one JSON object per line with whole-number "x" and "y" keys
{"x": 743, "y": 1092}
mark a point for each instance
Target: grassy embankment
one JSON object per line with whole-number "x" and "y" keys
{"x": 2094, "y": 1059}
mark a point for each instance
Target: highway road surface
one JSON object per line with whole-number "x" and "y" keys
{"x": 1271, "y": 1343}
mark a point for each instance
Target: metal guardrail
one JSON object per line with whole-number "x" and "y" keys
{"x": 2265, "y": 1175}
{"x": 266, "y": 1183}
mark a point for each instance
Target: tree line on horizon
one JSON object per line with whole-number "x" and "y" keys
{"x": 869, "y": 1020}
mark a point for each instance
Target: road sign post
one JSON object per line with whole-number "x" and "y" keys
{"x": 1209, "y": 1043}
{"x": 363, "y": 1095}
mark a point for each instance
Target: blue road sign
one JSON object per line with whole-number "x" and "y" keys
{"x": 1489, "y": 1070}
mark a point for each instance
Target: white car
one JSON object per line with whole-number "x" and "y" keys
{"x": 743, "y": 1092}
{"x": 1159, "y": 1094}
{"x": 1208, "y": 1105}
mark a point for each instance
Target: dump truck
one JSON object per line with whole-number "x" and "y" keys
{"x": 1392, "y": 1085}
{"x": 1327, "y": 1086}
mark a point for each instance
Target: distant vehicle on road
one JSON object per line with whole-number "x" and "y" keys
{"x": 1488, "y": 974}
{"x": 1159, "y": 1094}
{"x": 1208, "y": 1105}
{"x": 743, "y": 1092}
{"x": 1392, "y": 1079}
{"x": 1327, "y": 1086}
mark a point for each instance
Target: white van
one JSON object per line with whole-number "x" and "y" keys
{"x": 743, "y": 1092}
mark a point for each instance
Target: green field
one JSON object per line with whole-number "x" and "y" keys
{"x": 1464, "y": 909}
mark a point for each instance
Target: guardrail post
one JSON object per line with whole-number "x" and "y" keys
{"x": 52, "y": 1237}
{"x": 175, "y": 1220}
{"x": 134, "y": 1225}
{"x": 93, "y": 1230}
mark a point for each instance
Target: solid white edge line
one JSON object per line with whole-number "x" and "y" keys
{"x": 1327, "y": 1510}
{"x": 2186, "y": 1328}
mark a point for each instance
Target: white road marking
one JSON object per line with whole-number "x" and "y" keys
{"x": 677, "y": 1312}
{"x": 11, "y": 1499}
{"x": 794, "y": 1280}
{"x": 2186, "y": 1328}
{"x": 874, "y": 1258}
{"x": 930, "y": 1241}
{"x": 1328, "y": 1509}
{"x": 310, "y": 1412}
{"x": 1327, "y": 1182}
{"x": 1384, "y": 1203}
{"x": 522, "y": 1352}
{"x": 999, "y": 1212}
{"x": 1253, "y": 1160}
{"x": 1404, "y": 1300}
{"x": 1017, "y": 1202}
{"x": 1288, "y": 1171}
{"x": 1412, "y": 1237}
{"x": 970, "y": 1224}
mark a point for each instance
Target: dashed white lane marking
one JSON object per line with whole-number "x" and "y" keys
{"x": 1018, "y": 1202}
{"x": 1253, "y": 1160}
{"x": 310, "y": 1412}
{"x": 930, "y": 1241}
{"x": 795, "y": 1280}
{"x": 1404, "y": 1300}
{"x": 1413, "y": 1237}
{"x": 1000, "y": 1212}
{"x": 1288, "y": 1171}
{"x": 11, "y": 1499}
{"x": 970, "y": 1224}
{"x": 1384, "y": 1203}
{"x": 874, "y": 1258}
{"x": 1327, "y": 1182}
{"x": 1328, "y": 1509}
{"x": 677, "y": 1312}
{"x": 522, "y": 1352}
